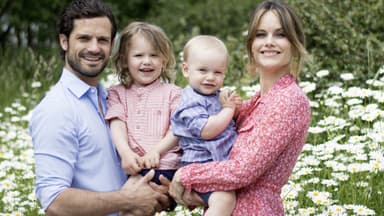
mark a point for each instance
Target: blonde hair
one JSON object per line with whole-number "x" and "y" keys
{"x": 204, "y": 42}
{"x": 158, "y": 39}
{"x": 292, "y": 29}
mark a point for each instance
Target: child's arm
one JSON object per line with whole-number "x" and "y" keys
{"x": 152, "y": 159}
{"x": 129, "y": 159}
{"x": 216, "y": 124}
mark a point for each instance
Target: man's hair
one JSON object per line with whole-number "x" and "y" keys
{"x": 83, "y": 9}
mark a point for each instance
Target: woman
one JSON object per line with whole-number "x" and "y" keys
{"x": 272, "y": 125}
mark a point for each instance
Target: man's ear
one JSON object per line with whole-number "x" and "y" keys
{"x": 63, "y": 42}
{"x": 184, "y": 68}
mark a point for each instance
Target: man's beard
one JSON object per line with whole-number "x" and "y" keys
{"x": 76, "y": 66}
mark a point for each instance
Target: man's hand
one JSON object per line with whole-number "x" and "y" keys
{"x": 143, "y": 199}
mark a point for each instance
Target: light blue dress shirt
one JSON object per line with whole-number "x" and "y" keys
{"x": 72, "y": 142}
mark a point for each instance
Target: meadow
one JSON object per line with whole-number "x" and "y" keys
{"x": 340, "y": 170}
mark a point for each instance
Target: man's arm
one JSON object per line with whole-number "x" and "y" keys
{"x": 135, "y": 196}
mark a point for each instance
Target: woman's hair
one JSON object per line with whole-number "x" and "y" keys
{"x": 83, "y": 9}
{"x": 291, "y": 27}
{"x": 157, "y": 38}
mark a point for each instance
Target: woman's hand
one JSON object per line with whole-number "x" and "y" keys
{"x": 176, "y": 189}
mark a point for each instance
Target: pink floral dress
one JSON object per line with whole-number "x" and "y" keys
{"x": 272, "y": 130}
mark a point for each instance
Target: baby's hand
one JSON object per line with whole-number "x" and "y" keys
{"x": 238, "y": 103}
{"x": 228, "y": 98}
{"x": 150, "y": 160}
{"x": 130, "y": 164}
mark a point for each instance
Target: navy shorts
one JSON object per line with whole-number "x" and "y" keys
{"x": 166, "y": 173}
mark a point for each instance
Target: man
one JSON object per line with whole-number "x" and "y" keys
{"x": 77, "y": 168}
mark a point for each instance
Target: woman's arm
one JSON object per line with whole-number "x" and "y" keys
{"x": 254, "y": 151}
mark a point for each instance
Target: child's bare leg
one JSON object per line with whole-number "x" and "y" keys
{"x": 221, "y": 203}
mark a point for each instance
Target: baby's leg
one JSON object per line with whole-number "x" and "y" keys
{"x": 221, "y": 203}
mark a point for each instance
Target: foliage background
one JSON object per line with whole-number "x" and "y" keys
{"x": 342, "y": 36}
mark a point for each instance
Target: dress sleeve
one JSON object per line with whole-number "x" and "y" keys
{"x": 257, "y": 147}
{"x": 116, "y": 103}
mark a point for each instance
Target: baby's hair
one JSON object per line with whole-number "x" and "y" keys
{"x": 157, "y": 38}
{"x": 203, "y": 42}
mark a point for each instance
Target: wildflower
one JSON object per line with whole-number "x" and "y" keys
{"x": 354, "y": 101}
{"x": 307, "y": 211}
{"x": 362, "y": 210}
{"x": 375, "y": 83}
{"x": 290, "y": 204}
{"x": 322, "y": 73}
{"x": 319, "y": 198}
{"x": 346, "y": 76}
{"x": 335, "y": 90}
{"x": 307, "y": 87}
{"x": 336, "y": 210}
{"x": 316, "y": 130}
{"x": 340, "y": 176}
{"x": 355, "y": 168}
{"x": 314, "y": 104}
{"x": 330, "y": 102}
{"x": 36, "y": 84}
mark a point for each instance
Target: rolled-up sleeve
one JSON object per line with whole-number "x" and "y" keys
{"x": 55, "y": 149}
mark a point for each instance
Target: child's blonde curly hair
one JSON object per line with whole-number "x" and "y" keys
{"x": 160, "y": 42}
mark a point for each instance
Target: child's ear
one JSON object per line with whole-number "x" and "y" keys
{"x": 184, "y": 68}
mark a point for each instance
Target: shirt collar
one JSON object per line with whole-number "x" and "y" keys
{"x": 144, "y": 89}
{"x": 215, "y": 94}
{"x": 77, "y": 86}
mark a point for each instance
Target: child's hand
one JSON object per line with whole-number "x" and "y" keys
{"x": 150, "y": 160}
{"x": 228, "y": 98}
{"x": 130, "y": 163}
{"x": 238, "y": 103}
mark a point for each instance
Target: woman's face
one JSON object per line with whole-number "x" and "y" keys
{"x": 271, "y": 48}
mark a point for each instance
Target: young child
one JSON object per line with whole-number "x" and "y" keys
{"x": 140, "y": 107}
{"x": 203, "y": 118}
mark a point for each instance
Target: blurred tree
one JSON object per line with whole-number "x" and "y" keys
{"x": 27, "y": 23}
